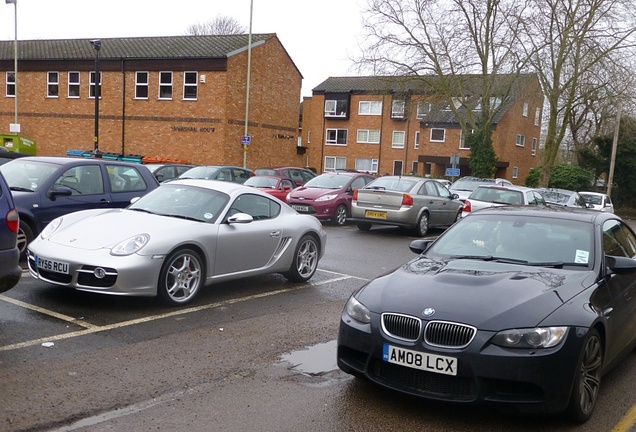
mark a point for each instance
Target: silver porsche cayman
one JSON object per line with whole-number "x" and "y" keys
{"x": 178, "y": 238}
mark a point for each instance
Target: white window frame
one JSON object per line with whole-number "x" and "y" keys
{"x": 416, "y": 144}
{"x": 337, "y": 132}
{"x": 10, "y": 84}
{"x": 515, "y": 172}
{"x": 333, "y": 163}
{"x": 74, "y": 85}
{"x": 438, "y": 140}
{"x": 398, "y": 139}
{"x": 534, "y": 147}
{"x": 520, "y": 140}
{"x": 462, "y": 140}
{"x": 370, "y": 108}
{"x": 165, "y": 86}
{"x": 91, "y": 84}
{"x": 189, "y": 85}
{"x": 537, "y": 116}
{"x": 308, "y": 137}
{"x": 525, "y": 109}
{"x": 52, "y": 84}
{"x": 140, "y": 86}
{"x": 423, "y": 108}
{"x": 414, "y": 166}
{"x": 372, "y": 162}
{"x": 368, "y": 136}
{"x": 398, "y": 108}
{"x": 331, "y": 108}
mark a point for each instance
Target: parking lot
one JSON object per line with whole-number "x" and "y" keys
{"x": 231, "y": 360}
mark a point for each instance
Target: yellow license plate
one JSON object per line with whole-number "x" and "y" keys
{"x": 375, "y": 214}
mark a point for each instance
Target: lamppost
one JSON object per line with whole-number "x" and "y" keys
{"x": 247, "y": 95}
{"x": 97, "y": 44}
{"x": 15, "y": 127}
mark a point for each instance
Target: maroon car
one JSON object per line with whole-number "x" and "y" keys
{"x": 328, "y": 196}
{"x": 278, "y": 187}
{"x": 298, "y": 175}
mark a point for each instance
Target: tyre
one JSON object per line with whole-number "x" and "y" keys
{"x": 305, "y": 260}
{"x": 587, "y": 381}
{"x": 25, "y": 236}
{"x": 422, "y": 225}
{"x": 340, "y": 215}
{"x": 181, "y": 277}
{"x": 363, "y": 226}
{"x": 459, "y": 216}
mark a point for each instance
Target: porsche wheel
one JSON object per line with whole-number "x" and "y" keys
{"x": 340, "y": 215}
{"x": 305, "y": 260}
{"x": 588, "y": 379}
{"x": 422, "y": 225}
{"x": 181, "y": 277}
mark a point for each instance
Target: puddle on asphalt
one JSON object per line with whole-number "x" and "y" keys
{"x": 315, "y": 360}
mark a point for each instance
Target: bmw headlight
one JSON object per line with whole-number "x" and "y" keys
{"x": 130, "y": 245}
{"x": 51, "y": 228}
{"x": 540, "y": 337}
{"x": 327, "y": 197}
{"x": 358, "y": 311}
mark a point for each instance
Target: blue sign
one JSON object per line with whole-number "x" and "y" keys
{"x": 246, "y": 139}
{"x": 452, "y": 172}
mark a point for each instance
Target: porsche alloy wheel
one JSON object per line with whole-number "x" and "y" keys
{"x": 181, "y": 277}
{"x": 340, "y": 215}
{"x": 305, "y": 260}
{"x": 588, "y": 379}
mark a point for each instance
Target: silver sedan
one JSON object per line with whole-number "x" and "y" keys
{"x": 411, "y": 202}
{"x": 173, "y": 241}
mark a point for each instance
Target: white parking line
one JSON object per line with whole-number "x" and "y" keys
{"x": 89, "y": 328}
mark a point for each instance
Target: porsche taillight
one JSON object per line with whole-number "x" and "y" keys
{"x": 13, "y": 220}
{"x": 467, "y": 207}
{"x": 407, "y": 200}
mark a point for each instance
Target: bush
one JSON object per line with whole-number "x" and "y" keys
{"x": 571, "y": 177}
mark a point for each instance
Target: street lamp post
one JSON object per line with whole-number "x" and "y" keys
{"x": 97, "y": 44}
{"x": 15, "y": 125}
{"x": 247, "y": 95}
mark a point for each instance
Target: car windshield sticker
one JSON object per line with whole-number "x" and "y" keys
{"x": 582, "y": 256}
{"x": 208, "y": 215}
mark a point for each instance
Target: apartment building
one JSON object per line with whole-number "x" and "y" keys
{"x": 177, "y": 97}
{"x": 397, "y": 126}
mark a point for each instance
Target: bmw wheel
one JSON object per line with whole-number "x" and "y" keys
{"x": 181, "y": 277}
{"x": 340, "y": 215}
{"x": 305, "y": 260}
{"x": 422, "y": 225}
{"x": 588, "y": 379}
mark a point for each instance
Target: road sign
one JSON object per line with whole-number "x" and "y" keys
{"x": 246, "y": 139}
{"x": 452, "y": 172}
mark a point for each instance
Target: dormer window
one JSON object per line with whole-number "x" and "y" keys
{"x": 423, "y": 108}
{"x": 397, "y": 109}
{"x": 336, "y": 108}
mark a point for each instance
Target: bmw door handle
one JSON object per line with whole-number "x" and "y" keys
{"x": 275, "y": 233}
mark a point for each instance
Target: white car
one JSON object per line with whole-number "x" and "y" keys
{"x": 466, "y": 185}
{"x": 598, "y": 201}
{"x": 497, "y": 196}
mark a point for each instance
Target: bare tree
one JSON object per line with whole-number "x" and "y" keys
{"x": 221, "y": 25}
{"x": 456, "y": 48}
{"x": 568, "y": 42}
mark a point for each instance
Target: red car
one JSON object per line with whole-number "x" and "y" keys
{"x": 298, "y": 175}
{"x": 278, "y": 187}
{"x": 328, "y": 196}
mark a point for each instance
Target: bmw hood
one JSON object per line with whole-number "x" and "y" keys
{"x": 478, "y": 293}
{"x": 92, "y": 230}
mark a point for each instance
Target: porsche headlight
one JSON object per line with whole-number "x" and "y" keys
{"x": 540, "y": 337}
{"x": 358, "y": 311}
{"x": 327, "y": 197}
{"x": 51, "y": 228}
{"x": 130, "y": 245}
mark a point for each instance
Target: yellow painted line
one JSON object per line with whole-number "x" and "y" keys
{"x": 627, "y": 421}
{"x": 95, "y": 329}
{"x": 46, "y": 312}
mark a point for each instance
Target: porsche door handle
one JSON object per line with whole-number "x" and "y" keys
{"x": 275, "y": 233}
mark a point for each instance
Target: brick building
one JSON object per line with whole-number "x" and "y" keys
{"x": 397, "y": 126}
{"x": 180, "y": 97}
